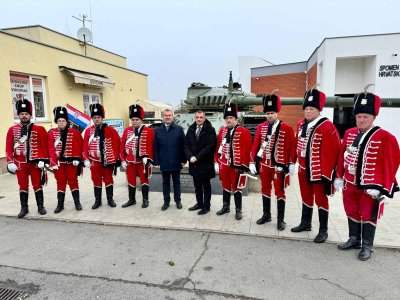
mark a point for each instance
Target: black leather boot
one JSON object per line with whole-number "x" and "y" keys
{"x": 306, "y": 217}
{"x": 75, "y": 196}
{"x": 368, "y": 235}
{"x": 266, "y": 217}
{"x": 132, "y": 197}
{"x": 145, "y": 195}
{"x": 97, "y": 196}
{"x": 323, "y": 226}
{"x": 354, "y": 241}
{"x": 238, "y": 205}
{"x": 60, "y": 203}
{"x": 23, "y": 197}
{"x": 226, "y": 202}
{"x": 40, "y": 202}
{"x": 281, "y": 225}
{"x": 110, "y": 194}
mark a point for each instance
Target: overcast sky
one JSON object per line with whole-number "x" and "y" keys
{"x": 177, "y": 42}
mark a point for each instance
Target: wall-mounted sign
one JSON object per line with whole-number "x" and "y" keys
{"x": 389, "y": 71}
{"x": 117, "y": 124}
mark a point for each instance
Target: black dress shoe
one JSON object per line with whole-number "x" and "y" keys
{"x": 238, "y": 215}
{"x": 203, "y": 211}
{"x": 165, "y": 206}
{"x": 179, "y": 205}
{"x": 195, "y": 207}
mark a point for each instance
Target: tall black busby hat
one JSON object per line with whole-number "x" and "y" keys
{"x": 314, "y": 98}
{"x": 136, "y": 111}
{"x": 97, "y": 109}
{"x": 231, "y": 109}
{"x": 272, "y": 103}
{"x": 23, "y": 106}
{"x": 60, "y": 112}
{"x": 366, "y": 103}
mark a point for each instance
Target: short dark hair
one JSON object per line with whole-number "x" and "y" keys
{"x": 200, "y": 112}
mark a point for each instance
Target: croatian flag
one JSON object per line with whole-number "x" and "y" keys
{"x": 77, "y": 117}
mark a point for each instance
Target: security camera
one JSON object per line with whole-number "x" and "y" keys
{"x": 257, "y": 78}
{"x": 394, "y": 54}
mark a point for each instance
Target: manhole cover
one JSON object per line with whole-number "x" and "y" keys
{"x": 12, "y": 294}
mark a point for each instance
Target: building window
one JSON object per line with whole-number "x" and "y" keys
{"x": 32, "y": 88}
{"x": 90, "y": 98}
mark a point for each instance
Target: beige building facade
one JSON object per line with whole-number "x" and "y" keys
{"x": 51, "y": 69}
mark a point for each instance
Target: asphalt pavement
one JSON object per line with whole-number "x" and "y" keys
{"x": 62, "y": 260}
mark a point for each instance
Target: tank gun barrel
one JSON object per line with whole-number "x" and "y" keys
{"x": 337, "y": 101}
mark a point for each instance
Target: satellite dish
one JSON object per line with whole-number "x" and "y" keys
{"x": 84, "y": 35}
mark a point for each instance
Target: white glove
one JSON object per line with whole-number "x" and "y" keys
{"x": 253, "y": 169}
{"x": 279, "y": 169}
{"x": 145, "y": 160}
{"x": 216, "y": 168}
{"x": 54, "y": 168}
{"x": 40, "y": 164}
{"x": 87, "y": 163}
{"x": 193, "y": 159}
{"x": 75, "y": 163}
{"x": 124, "y": 165}
{"x": 292, "y": 170}
{"x": 373, "y": 193}
{"x": 338, "y": 184}
{"x": 12, "y": 167}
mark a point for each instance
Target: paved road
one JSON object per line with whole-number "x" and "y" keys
{"x": 58, "y": 260}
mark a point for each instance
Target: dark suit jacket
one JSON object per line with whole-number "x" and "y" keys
{"x": 168, "y": 148}
{"x": 203, "y": 149}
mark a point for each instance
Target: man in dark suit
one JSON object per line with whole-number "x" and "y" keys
{"x": 169, "y": 156}
{"x": 200, "y": 144}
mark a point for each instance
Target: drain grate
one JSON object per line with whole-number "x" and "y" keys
{"x": 11, "y": 294}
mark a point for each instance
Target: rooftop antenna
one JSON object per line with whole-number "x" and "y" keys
{"x": 84, "y": 34}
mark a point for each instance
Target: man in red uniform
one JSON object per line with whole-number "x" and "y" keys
{"x": 317, "y": 151}
{"x": 101, "y": 154}
{"x": 231, "y": 159}
{"x": 26, "y": 155}
{"x": 273, "y": 149}
{"x": 137, "y": 154}
{"x": 65, "y": 150}
{"x": 366, "y": 170}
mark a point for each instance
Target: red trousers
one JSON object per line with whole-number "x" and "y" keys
{"x": 67, "y": 173}
{"x": 101, "y": 174}
{"x": 229, "y": 178}
{"x": 358, "y": 205}
{"x": 136, "y": 169}
{"x": 267, "y": 176}
{"x": 312, "y": 192}
{"x": 24, "y": 171}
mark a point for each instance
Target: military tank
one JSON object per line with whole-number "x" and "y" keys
{"x": 212, "y": 99}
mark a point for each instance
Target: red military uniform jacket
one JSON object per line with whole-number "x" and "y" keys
{"x": 372, "y": 165}
{"x": 319, "y": 150}
{"x": 134, "y": 149}
{"x": 31, "y": 148}
{"x": 102, "y": 147}
{"x": 67, "y": 148}
{"x": 278, "y": 150}
{"x": 236, "y": 153}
